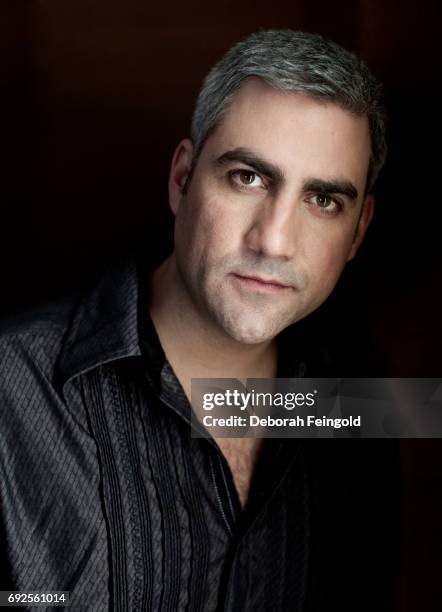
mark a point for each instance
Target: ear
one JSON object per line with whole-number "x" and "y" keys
{"x": 179, "y": 171}
{"x": 364, "y": 221}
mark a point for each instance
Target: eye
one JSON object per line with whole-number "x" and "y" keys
{"x": 326, "y": 203}
{"x": 244, "y": 179}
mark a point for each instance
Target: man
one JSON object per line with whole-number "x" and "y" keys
{"x": 104, "y": 492}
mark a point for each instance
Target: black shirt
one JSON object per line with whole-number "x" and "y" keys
{"x": 260, "y": 553}
{"x": 105, "y": 493}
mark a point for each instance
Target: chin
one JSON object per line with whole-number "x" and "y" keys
{"x": 248, "y": 333}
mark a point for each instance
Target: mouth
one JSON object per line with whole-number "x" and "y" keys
{"x": 256, "y": 283}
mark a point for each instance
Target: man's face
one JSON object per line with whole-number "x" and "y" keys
{"x": 274, "y": 210}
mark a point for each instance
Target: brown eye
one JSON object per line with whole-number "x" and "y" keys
{"x": 246, "y": 177}
{"x": 246, "y": 180}
{"x": 327, "y": 203}
{"x": 323, "y": 201}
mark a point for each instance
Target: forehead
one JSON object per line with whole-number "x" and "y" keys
{"x": 296, "y": 132}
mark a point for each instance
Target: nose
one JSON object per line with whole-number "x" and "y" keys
{"x": 275, "y": 230}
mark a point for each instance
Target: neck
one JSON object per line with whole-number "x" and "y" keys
{"x": 194, "y": 345}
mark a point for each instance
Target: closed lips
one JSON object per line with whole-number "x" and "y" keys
{"x": 262, "y": 280}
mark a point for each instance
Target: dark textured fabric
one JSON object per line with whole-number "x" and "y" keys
{"x": 104, "y": 493}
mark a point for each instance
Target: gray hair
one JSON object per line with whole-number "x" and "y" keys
{"x": 296, "y": 62}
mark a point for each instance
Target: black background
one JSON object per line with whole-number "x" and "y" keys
{"x": 94, "y": 96}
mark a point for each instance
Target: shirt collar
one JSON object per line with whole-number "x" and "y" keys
{"x": 105, "y": 325}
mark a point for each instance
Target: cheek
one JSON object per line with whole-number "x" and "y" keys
{"x": 327, "y": 259}
{"x": 192, "y": 226}
{"x": 214, "y": 229}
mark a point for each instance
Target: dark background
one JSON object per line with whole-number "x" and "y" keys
{"x": 94, "y": 96}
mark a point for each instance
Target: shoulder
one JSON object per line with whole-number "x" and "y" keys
{"x": 41, "y": 319}
{"x": 31, "y": 342}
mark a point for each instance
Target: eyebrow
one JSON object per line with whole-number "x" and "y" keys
{"x": 249, "y": 158}
{"x": 276, "y": 175}
{"x": 334, "y": 186}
